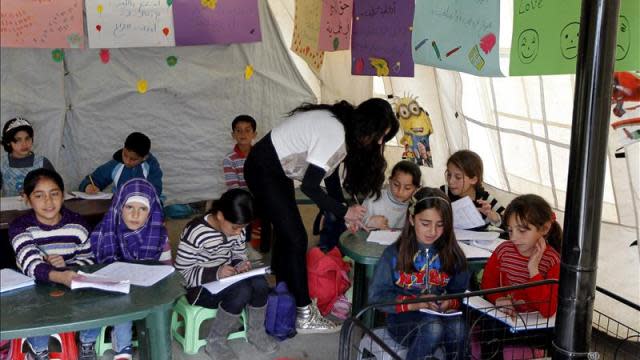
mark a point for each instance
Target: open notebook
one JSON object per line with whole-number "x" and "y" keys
{"x": 11, "y": 280}
{"x": 215, "y": 287}
{"x": 93, "y": 281}
{"x": 96, "y": 196}
{"x": 522, "y": 322}
{"x": 136, "y": 274}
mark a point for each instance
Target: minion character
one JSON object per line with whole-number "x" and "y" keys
{"x": 416, "y": 127}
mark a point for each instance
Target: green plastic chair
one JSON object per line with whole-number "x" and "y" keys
{"x": 102, "y": 345}
{"x": 192, "y": 317}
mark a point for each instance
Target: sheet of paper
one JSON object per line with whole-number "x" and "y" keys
{"x": 384, "y": 237}
{"x": 472, "y": 252}
{"x": 452, "y": 313}
{"x": 465, "y": 214}
{"x": 11, "y": 280}
{"x": 96, "y": 196}
{"x": 462, "y": 234}
{"x": 215, "y": 287}
{"x": 13, "y": 203}
{"x": 136, "y": 274}
{"x": 93, "y": 281}
{"x": 524, "y": 321}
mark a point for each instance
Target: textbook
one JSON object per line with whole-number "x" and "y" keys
{"x": 136, "y": 274}
{"x": 11, "y": 280}
{"x": 522, "y": 322}
{"x": 215, "y": 287}
{"x": 85, "y": 280}
{"x": 465, "y": 214}
{"x": 383, "y": 237}
{"x": 446, "y": 313}
{"x": 96, "y": 196}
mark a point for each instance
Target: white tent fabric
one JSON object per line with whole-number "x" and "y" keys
{"x": 186, "y": 112}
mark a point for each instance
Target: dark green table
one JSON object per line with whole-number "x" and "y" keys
{"x": 365, "y": 255}
{"x": 32, "y": 311}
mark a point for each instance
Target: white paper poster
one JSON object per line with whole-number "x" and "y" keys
{"x": 129, "y": 23}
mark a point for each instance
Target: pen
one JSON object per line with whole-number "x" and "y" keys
{"x": 92, "y": 183}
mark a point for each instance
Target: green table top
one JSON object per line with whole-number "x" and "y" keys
{"x": 32, "y": 311}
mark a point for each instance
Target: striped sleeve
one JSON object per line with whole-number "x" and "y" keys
{"x": 29, "y": 258}
{"x": 239, "y": 248}
{"x": 82, "y": 253}
{"x": 201, "y": 252}
{"x": 165, "y": 256}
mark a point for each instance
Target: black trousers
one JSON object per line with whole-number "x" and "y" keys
{"x": 275, "y": 201}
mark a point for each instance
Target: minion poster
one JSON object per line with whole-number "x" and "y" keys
{"x": 416, "y": 130}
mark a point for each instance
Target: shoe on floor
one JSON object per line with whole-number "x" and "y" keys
{"x": 87, "y": 351}
{"x": 310, "y": 321}
{"x": 124, "y": 354}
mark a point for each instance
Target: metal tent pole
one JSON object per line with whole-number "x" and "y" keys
{"x": 587, "y": 161}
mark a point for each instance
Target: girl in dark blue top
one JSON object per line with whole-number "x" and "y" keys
{"x": 426, "y": 261}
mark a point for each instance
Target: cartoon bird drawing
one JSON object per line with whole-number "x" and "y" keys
{"x": 416, "y": 127}
{"x": 380, "y": 65}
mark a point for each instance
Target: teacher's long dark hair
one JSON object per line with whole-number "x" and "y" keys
{"x": 364, "y": 125}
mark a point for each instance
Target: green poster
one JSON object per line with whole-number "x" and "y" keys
{"x": 545, "y": 37}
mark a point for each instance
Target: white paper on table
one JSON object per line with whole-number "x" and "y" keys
{"x": 11, "y": 280}
{"x": 9, "y": 203}
{"x": 93, "y": 281}
{"x": 465, "y": 214}
{"x": 136, "y": 274}
{"x": 523, "y": 321}
{"x": 383, "y": 237}
{"x": 462, "y": 234}
{"x": 215, "y": 287}
{"x": 452, "y": 313}
{"x": 97, "y": 196}
{"x": 472, "y": 252}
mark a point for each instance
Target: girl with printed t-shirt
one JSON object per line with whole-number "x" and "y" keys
{"x": 308, "y": 146}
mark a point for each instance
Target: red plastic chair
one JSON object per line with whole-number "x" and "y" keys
{"x": 67, "y": 344}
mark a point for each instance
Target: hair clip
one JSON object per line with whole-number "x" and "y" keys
{"x": 413, "y": 201}
{"x": 17, "y": 123}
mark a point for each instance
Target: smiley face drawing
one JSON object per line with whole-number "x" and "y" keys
{"x": 569, "y": 40}
{"x": 623, "y": 39}
{"x": 528, "y": 45}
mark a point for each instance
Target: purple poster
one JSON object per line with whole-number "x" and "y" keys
{"x": 381, "y": 38}
{"x": 202, "y": 22}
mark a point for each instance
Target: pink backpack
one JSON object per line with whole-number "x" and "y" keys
{"x": 328, "y": 277}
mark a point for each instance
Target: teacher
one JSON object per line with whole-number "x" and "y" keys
{"x": 308, "y": 146}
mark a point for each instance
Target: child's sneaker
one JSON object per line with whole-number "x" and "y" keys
{"x": 42, "y": 355}
{"x": 341, "y": 308}
{"x": 88, "y": 351}
{"x": 124, "y": 354}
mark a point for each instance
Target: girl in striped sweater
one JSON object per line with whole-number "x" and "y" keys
{"x": 213, "y": 247}
{"x": 131, "y": 230}
{"x": 48, "y": 239}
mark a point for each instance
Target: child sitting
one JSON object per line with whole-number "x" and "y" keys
{"x": 17, "y": 140}
{"x": 131, "y": 230}
{"x": 243, "y": 131}
{"x": 424, "y": 262}
{"x": 48, "y": 239}
{"x": 211, "y": 248}
{"x": 464, "y": 178}
{"x": 132, "y": 161}
{"x": 390, "y": 209}
{"x": 531, "y": 255}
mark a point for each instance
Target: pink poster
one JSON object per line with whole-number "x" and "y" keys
{"x": 41, "y": 24}
{"x": 335, "y": 25}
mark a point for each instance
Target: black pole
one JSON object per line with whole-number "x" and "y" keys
{"x": 587, "y": 161}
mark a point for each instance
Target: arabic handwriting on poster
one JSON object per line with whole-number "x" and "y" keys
{"x": 335, "y": 25}
{"x": 227, "y": 22}
{"x": 130, "y": 23}
{"x": 305, "y": 33}
{"x": 41, "y": 24}
{"x": 381, "y": 38}
{"x": 462, "y": 34}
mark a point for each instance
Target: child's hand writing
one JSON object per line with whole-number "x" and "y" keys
{"x": 536, "y": 256}
{"x": 91, "y": 189}
{"x": 243, "y": 266}
{"x": 226, "y": 271}
{"x": 505, "y": 304}
{"x": 62, "y": 277}
{"x": 55, "y": 261}
{"x": 378, "y": 222}
{"x": 353, "y": 217}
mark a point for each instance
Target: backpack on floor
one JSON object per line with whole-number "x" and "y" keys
{"x": 280, "y": 319}
{"x": 328, "y": 277}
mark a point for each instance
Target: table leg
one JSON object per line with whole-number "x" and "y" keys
{"x": 156, "y": 336}
{"x": 361, "y": 276}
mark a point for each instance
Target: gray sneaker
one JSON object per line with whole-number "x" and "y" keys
{"x": 43, "y": 355}
{"x": 310, "y": 321}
